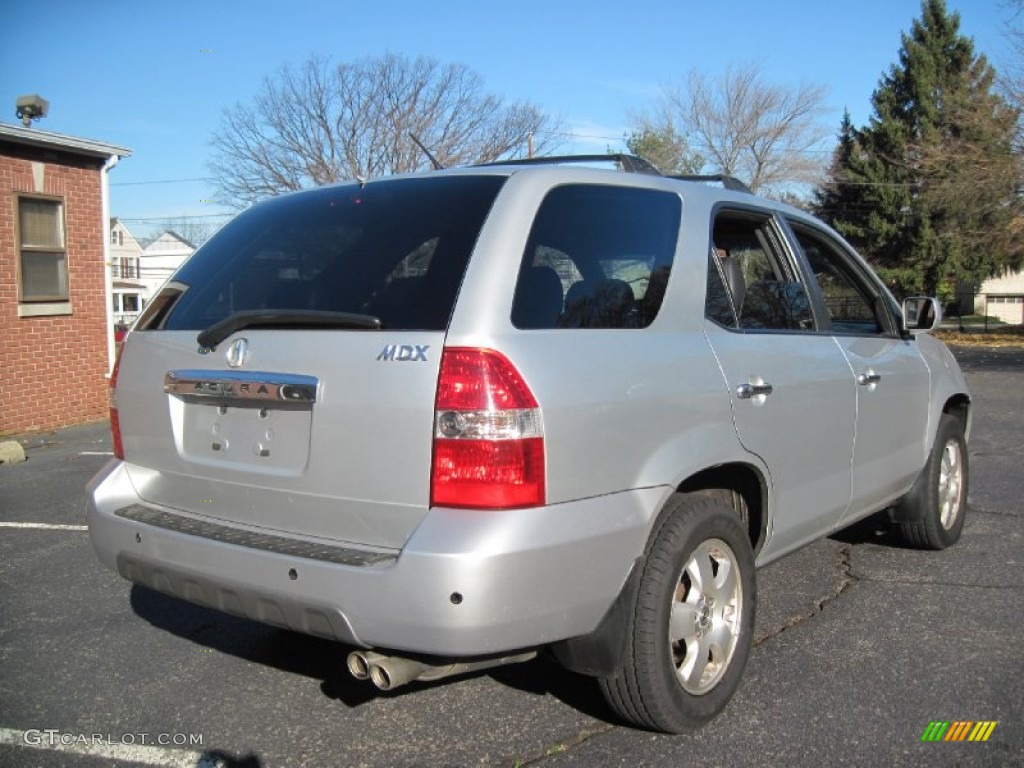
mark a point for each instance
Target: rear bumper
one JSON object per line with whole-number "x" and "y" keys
{"x": 466, "y": 583}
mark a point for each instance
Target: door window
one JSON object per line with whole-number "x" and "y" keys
{"x": 852, "y": 304}
{"x": 759, "y": 280}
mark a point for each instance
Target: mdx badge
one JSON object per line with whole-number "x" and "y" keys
{"x": 238, "y": 353}
{"x": 404, "y": 352}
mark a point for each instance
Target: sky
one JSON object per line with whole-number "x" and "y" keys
{"x": 156, "y": 77}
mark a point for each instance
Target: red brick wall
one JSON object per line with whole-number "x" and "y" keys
{"x": 52, "y": 369}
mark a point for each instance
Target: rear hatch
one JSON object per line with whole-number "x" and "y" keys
{"x": 285, "y": 377}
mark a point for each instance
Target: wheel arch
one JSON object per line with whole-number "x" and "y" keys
{"x": 740, "y": 486}
{"x": 959, "y": 407}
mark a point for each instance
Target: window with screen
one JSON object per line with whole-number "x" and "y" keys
{"x": 43, "y": 267}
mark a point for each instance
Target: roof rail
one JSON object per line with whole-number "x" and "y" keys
{"x": 628, "y": 163}
{"x": 729, "y": 182}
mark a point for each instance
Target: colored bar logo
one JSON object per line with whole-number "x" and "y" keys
{"x": 959, "y": 730}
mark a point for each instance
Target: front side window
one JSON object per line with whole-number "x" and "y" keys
{"x": 849, "y": 302}
{"x": 597, "y": 257}
{"x": 42, "y": 250}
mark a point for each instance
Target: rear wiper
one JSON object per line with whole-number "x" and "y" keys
{"x": 294, "y": 318}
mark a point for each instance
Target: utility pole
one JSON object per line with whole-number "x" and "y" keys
{"x": 529, "y": 143}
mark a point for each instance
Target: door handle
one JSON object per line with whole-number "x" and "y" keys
{"x": 748, "y": 390}
{"x": 869, "y": 378}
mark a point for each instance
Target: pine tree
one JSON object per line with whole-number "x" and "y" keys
{"x": 839, "y": 199}
{"x": 930, "y": 189}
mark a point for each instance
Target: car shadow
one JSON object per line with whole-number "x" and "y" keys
{"x": 545, "y": 677}
{"x": 875, "y": 529}
{"x": 325, "y": 660}
{"x": 313, "y": 657}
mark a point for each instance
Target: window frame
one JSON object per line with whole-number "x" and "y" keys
{"x": 60, "y": 300}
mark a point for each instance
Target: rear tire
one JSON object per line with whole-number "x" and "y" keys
{"x": 932, "y": 514}
{"x": 691, "y": 630}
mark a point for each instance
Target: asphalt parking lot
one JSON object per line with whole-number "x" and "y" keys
{"x": 860, "y": 645}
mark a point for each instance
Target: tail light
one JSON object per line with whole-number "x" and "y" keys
{"x": 488, "y": 434}
{"x": 115, "y": 423}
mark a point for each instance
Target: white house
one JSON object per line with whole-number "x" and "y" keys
{"x": 128, "y": 291}
{"x": 161, "y": 258}
{"x": 1002, "y": 297}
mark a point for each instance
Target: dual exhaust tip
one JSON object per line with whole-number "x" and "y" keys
{"x": 385, "y": 672}
{"x": 390, "y": 672}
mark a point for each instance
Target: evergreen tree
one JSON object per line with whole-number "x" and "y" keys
{"x": 930, "y": 189}
{"x": 839, "y": 199}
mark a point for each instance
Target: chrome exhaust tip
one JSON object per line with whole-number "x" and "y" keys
{"x": 391, "y": 672}
{"x": 360, "y": 663}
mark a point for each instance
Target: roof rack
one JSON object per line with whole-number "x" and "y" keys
{"x": 729, "y": 182}
{"x": 629, "y": 163}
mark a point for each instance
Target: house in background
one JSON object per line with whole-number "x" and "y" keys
{"x": 1002, "y": 297}
{"x": 161, "y": 259}
{"x": 128, "y": 290}
{"x": 55, "y": 282}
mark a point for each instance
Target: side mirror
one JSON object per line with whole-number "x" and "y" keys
{"x": 921, "y": 314}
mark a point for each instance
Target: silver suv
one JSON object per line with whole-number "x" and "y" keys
{"x": 457, "y": 418}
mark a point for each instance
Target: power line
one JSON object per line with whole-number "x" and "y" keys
{"x": 694, "y": 146}
{"x": 172, "y": 219}
{"x": 159, "y": 181}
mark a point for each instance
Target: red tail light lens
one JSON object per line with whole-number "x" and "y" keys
{"x": 488, "y": 435}
{"x": 115, "y": 422}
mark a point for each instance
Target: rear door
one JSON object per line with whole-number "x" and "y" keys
{"x": 314, "y": 415}
{"x": 793, "y": 396}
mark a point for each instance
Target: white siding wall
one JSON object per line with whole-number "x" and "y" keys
{"x": 160, "y": 259}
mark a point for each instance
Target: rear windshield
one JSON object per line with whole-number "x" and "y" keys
{"x": 394, "y": 249}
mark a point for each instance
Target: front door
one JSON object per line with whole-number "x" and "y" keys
{"x": 891, "y": 376}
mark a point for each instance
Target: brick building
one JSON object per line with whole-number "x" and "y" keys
{"x": 55, "y": 284}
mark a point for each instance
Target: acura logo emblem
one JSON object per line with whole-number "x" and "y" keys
{"x": 238, "y": 353}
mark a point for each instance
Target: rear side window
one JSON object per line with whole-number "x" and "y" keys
{"x": 754, "y": 277}
{"x": 597, "y": 257}
{"x": 395, "y": 250}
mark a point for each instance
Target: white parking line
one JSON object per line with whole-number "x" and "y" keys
{"x": 95, "y": 453}
{"x": 93, "y": 745}
{"x": 46, "y": 526}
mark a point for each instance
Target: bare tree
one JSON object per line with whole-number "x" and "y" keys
{"x": 765, "y": 134}
{"x": 323, "y": 123}
{"x": 195, "y": 230}
{"x": 1011, "y": 80}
